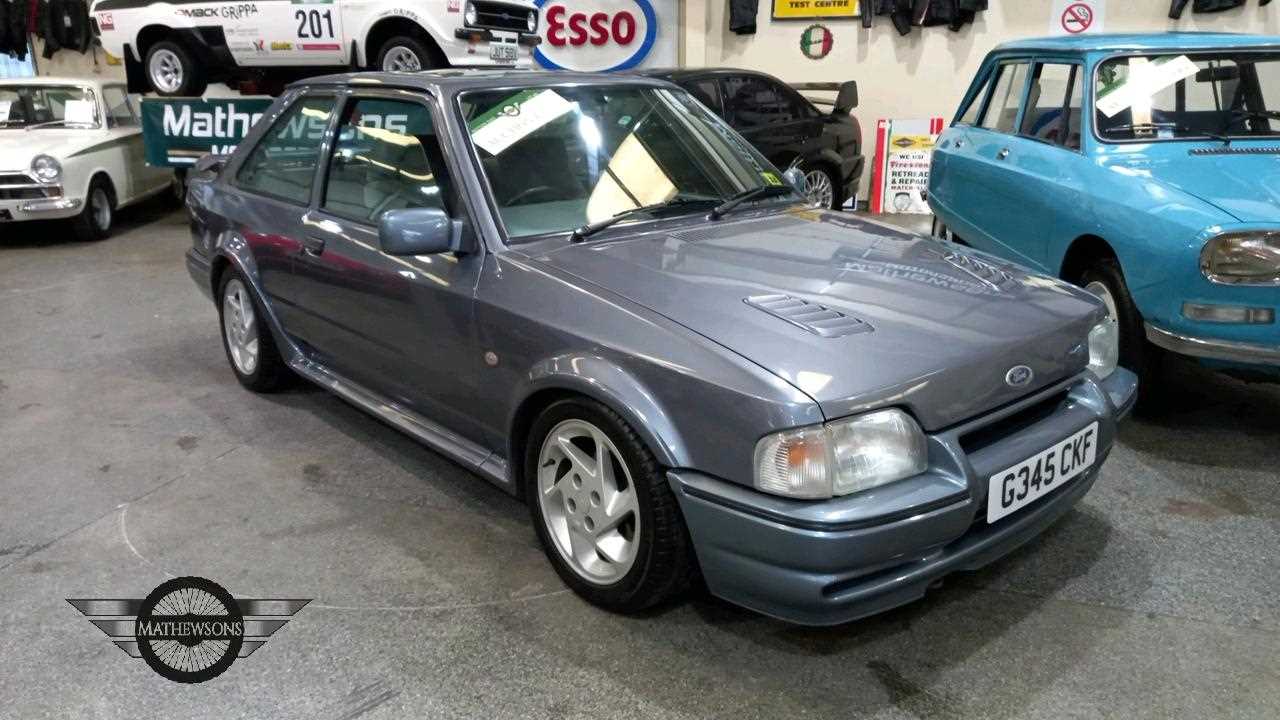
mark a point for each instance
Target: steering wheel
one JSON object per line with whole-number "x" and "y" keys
{"x": 530, "y": 192}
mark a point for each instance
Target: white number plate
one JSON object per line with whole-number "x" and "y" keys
{"x": 1011, "y": 490}
{"x": 502, "y": 52}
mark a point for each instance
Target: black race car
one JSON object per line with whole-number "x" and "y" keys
{"x": 785, "y": 125}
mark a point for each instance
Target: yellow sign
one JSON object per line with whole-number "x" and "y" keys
{"x": 810, "y": 9}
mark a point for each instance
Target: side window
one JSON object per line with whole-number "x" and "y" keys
{"x": 119, "y": 110}
{"x": 283, "y": 164}
{"x": 386, "y": 158}
{"x": 1053, "y": 105}
{"x": 1002, "y": 111}
{"x": 752, "y": 102}
{"x": 970, "y": 114}
{"x": 708, "y": 93}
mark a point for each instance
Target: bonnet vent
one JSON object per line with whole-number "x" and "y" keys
{"x": 1268, "y": 150}
{"x": 817, "y": 319}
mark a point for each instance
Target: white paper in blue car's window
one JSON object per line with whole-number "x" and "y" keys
{"x": 4, "y": 109}
{"x": 1145, "y": 79}
{"x": 78, "y": 112}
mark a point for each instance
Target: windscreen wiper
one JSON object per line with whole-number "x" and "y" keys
{"x": 753, "y": 194}
{"x": 590, "y": 229}
{"x": 1251, "y": 114}
{"x": 1134, "y": 127}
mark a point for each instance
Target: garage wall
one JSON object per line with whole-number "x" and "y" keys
{"x": 927, "y": 72}
{"x": 67, "y": 63}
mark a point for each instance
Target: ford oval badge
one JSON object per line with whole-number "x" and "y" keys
{"x": 1019, "y": 376}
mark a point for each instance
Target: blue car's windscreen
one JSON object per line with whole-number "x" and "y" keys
{"x": 1183, "y": 96}
{"x": 557, "y": 158}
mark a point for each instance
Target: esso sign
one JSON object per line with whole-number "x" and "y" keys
{"x": 595, "y": 35}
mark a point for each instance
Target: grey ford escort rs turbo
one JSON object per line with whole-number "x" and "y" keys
{"x": 596, "y": 295}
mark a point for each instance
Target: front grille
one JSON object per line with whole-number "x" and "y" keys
{"x": 500, "y": 16}
{"x": 1231, "y": 150}
{"x": 988, "y": 435}
{"x": 20, "y": 186}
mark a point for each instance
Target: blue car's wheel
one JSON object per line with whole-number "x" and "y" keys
{"x": 602, "y": 508}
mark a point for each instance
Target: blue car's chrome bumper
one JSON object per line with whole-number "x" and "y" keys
{"x": 1226, "y": 350}
{"x": 828, "y": 562}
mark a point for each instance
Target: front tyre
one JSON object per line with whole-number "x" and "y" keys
{"x": 173, "y": 72}
{"x": 250, "y": 349}
{"x": 602, "y": 508}
{"x": 405, "y": 54}
{"x": 97, "y": 216}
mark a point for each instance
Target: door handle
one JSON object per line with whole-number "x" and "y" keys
{"x": 312, "y": 245}
{"x": 959, "y": 143}
{"x": 1002, "y": 154}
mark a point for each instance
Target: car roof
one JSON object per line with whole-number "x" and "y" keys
{"x": 454, "y": 80}
{"x": 675, "y": 73}
{"x": 1140, "y": 41}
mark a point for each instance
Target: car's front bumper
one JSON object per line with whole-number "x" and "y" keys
{"x": 828, "y": 562}
{"x": 1214, "y": 349}
{"x": 22, "y": 197}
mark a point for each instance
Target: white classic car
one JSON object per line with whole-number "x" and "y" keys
{"x": 176, "y": 48}
{"x": 73, "y": 149}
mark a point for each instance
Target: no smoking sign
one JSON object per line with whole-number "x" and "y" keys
{"x": 1077, "y": 17}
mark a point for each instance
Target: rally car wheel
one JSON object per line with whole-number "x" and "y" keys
{"x": 405, "y": 54}
{"x": 602, "y": 508}
{"x": 172, "y": 71}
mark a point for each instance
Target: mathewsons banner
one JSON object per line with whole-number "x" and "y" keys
{"x": 607, "y": 35}
{"x": 900, "y": 178}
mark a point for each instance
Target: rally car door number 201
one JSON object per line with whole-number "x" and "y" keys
{"x": 286, "y": 32}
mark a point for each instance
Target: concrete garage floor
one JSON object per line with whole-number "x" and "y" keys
{"x": 128, "y": 454}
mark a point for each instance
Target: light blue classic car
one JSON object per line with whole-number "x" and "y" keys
{"x": 1143, "y": 167}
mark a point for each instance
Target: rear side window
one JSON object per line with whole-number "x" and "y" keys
{"x": 386, "y": 158}
{"x": 1002, "y": 111}
{"x": 283, "y": 164}
{"x": 752, "y": 102}
{"x": 1053, "y": 105}
{"x": 970, "y": 114}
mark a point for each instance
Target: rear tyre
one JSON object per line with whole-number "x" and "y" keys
{"x": 1105, "y": 279}
{"x": 406, "y": 54}
{"x": 250, "y": 348}
{"x": 173, "y": 72}
{"x": 822, "y": 187}
{"x": 602, "y": 508}
{"x": 97, "y": 216}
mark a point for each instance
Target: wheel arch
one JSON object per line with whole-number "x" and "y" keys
{"x": 1083, "y": 252}
{"x": 599, "y": 379}
{"x": 384, "y": 28}
{"x": 152, "y": 34}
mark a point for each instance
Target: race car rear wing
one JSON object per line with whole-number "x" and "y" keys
{"x": 846, "y": 98}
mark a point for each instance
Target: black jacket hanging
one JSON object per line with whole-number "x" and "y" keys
{"x": 15, "y": 29}
{"x": 5, "y": 45}
{"x": 742, "y": 16}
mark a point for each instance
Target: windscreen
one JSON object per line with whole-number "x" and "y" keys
{"x": 25, "y": 106}
{"x": 559, "y": 157}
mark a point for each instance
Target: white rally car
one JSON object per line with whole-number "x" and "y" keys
{"x": 73, "y": 149}
{"x": 176, "y": 48}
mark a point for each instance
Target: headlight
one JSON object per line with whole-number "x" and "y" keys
{"x": 46, "y": 169}
{"x": 1104, "y": 347}
{"x": 1247, "y": 258}
{"x": 841, "y": 457}
{"x": 533, "y": 21}
{"x": 470, "y": 15}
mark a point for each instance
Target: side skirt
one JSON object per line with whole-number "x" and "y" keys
{"x": 486, "y": 463}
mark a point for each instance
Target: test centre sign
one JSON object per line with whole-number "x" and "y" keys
{"x": 607, "y": 35}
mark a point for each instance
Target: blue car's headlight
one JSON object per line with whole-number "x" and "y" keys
{"x": 1242, "y": 258}
{"x": 841, "y": 457}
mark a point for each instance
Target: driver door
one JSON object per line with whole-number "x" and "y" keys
{"x": 400, "y": 325}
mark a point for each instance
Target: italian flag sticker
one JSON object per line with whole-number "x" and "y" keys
{"x": 816, "y": 41}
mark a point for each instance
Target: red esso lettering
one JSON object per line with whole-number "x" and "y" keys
{"x": 597, "y": 28}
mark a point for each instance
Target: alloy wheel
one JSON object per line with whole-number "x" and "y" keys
{"x": 588, "y": 502}
{"x": 166, "y": 71}
{"x": 240, "y": 326}
{"x": 401, "y": 59}
{"x": 817, "y": 188}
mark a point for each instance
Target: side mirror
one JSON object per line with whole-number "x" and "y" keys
{"x": 417, "y": 231}
{"x": 210, "y": 164}
{"x": 794, "y": 177}
{"x": 846, "y": 98}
